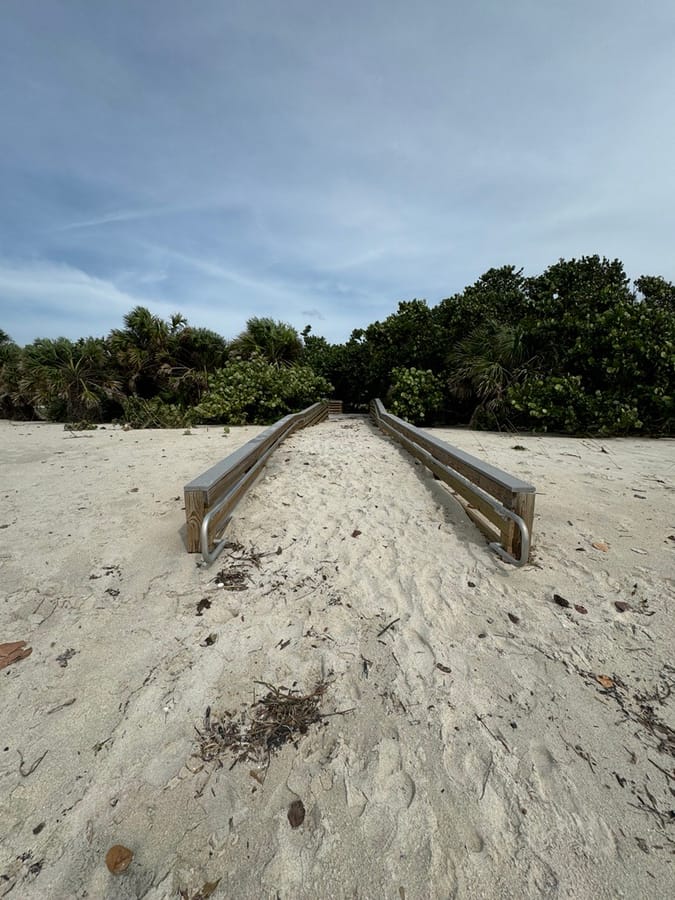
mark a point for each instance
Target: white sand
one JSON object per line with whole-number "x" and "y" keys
{"x": 411, "y": 795}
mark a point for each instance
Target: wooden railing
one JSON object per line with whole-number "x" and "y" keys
{"x": 212, "y": 496}
{"x": 502, "y": 506}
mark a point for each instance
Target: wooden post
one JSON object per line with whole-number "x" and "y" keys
{"x": 195, "y": 510}
{"x": 523, "y": 506}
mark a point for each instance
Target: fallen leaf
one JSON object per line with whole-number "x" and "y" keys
{"x": 443, "y": 668}
{"x": 356, "y": 532}
{"x": 642, "y": 844}
{"x": 561, "y": 601}
{"x": 206, "y": 890}
{"x": 600, "y": 545}
{"x": 621, "y": 605}
{"x": 118, "y": 859}
{"x": 605, "y": 681}
{"x": 580, "y": 609}
{"x": 202, "y": 605}
{"x": 514, "y": 618}
{"x": 296, "y": 813}
{"x": 13, "y": 652}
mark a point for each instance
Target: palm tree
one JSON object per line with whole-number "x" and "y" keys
{"x": 10, "y": 355}
{"x": 142, "y": 349}
{"x": 71, "y": 379}
{"x": 199, "y": 352}
{"x": 277, "y": 342}
{"x": 484, "y": 364}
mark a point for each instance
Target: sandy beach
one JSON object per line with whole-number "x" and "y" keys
{"x": 493, "y": 732}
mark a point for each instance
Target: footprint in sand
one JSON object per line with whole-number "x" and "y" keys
{"x": 543, "y": 767}
{"x": 390, "y": 790}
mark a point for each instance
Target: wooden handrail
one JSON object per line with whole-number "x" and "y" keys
{"x": 227, "y": 479}
{"x": 478, "y": 483}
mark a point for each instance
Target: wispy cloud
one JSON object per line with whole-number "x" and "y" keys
{"x": 44, "y": 299}
{"x": 114, "y": 217}
{"x": 210, "y": 160}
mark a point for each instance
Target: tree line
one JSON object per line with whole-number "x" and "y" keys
{"x": 577, "y": 349}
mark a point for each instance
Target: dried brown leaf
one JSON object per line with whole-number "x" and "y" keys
{"x": 206, "y": 890}
{"x": 600, "y": 545}
{"x": 605, "y": 681}
{"x": 296, "y": 813}
{"x": 118, "y": 859}
{"x": 13, "y": 652}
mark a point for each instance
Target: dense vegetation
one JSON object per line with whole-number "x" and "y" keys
{"x": 575, "y": 349}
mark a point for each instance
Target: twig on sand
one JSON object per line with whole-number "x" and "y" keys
{"x": 387, "y": 627}
{"x": 282, "y": 715}
{"x": 487, "y": 777}
{"x": 33, "y": 767}
{"x": 497, "y": 737}
{"x": 61, "y": 706}
{"x": 661, "y": 769}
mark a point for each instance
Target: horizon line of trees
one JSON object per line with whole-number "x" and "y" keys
{"x": 574, "y": 350}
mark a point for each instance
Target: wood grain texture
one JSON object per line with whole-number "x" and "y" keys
{"x": 208, "y": 489}
{"x": 513, "y": 493}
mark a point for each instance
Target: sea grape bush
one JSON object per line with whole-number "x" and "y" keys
{"x": 415, "y": 394}
{"x": 576, "y": 349}
{"x": 254, "y": 391}
{"x": 155, "y": 413}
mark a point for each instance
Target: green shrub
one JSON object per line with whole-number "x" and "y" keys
{"x": 254, "y": 391}
{"x": 414, "y": 395}
{"x": 155, "y": 413}
{"x": 560, "y": 403}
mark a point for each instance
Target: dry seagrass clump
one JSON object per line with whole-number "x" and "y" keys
{"x": 281, "y": 716}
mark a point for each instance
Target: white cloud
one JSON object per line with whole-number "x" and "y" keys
{"x": 46, "y": 299}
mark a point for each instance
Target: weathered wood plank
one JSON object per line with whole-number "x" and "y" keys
{"x": 523, "y": 506}
{"x": 206, "y": 490}
{"x": 441, "y": 472}
{"x": 511, "y": 492}
{"x": 195, "y": 510}
{"x": 495, "y": 481}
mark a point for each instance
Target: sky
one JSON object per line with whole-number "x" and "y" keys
{"x": 319, "y": 162}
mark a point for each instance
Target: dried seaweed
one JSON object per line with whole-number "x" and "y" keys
{"x": 640, "y": 707}
{"x": 282, "y": 715}
{"x": 233, "y": 576}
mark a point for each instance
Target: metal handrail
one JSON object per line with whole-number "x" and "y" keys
{"x": 247, "y": 479}
{"x": 239, "y": 465}
{"x": 498, "y": 507}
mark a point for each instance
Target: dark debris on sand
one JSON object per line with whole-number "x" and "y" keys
{"x": 281, "y": 716}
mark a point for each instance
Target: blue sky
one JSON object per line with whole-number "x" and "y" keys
{"x": 318, "y": 162}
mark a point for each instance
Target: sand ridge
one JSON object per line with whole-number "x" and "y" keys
{"x": 513, "y": 774}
